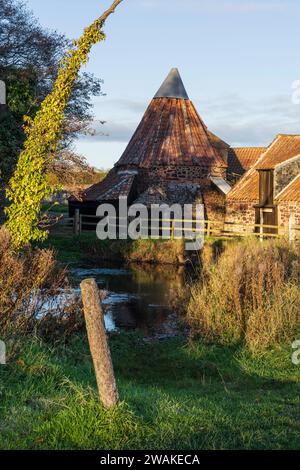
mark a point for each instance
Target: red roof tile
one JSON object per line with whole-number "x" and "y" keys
{"x": 241, "y": 159}
{"x": 291, "y": 192}
{"x": 282, "y": 149}
{"x": 111, "y": 188}
{"x": 171, "y": 133}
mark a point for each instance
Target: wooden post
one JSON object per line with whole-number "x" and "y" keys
{"x": 77, "y": 222}
{"x": 172, "y": 229}
{"x": 292, "y": 232}
{"x": 261, "y": 227}
{"x": 99, "y": 344}
{"x": 208, "y": 229}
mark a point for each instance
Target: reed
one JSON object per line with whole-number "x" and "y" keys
{"x": 250, "y": 294}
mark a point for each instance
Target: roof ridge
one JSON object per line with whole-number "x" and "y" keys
{"x": 251, "y": 147}
{"x": 288, "y": 135}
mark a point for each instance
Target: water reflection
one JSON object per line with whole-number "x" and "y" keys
{"x": 138, "y": 296}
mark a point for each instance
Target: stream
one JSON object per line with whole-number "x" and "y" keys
{"x": 138, "y": 297}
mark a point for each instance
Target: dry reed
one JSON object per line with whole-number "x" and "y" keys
{"x": 34, "y": 293}
{"x": 250, "y": 294}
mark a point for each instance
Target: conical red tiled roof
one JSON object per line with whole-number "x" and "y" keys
{"x": 171, "y": 132}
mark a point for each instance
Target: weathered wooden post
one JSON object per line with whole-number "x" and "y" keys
{"x": 77, "y": 222}
{"x": 2, "y": 353}
{"x": 99, "y": 344}
{"x": 172, "y": 229}
{"x": 3, "y": 111}
{"x": 208, "y": 233}
{"x": 291, "y": 229}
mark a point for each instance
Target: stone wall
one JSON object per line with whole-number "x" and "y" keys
{"x": 152, "y": 184}
{"x": 287, "y": 209}
{"x": 214, "y": 203}
{"x": 188, "y": 174}
{"x": 284, "y": 174}
{"x": 240, "y": 213}
{"x": 212, "y": 198}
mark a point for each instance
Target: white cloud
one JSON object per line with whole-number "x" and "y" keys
{"x": 237, "y": 120}
{"x": 243, "y": 122}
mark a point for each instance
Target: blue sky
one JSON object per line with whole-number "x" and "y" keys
{"x": 238, "y": 60}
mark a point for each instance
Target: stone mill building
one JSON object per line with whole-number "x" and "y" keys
{"x": 171, "y": 158}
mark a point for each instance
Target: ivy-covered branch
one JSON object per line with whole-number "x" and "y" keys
{"x": 29, "y": 186}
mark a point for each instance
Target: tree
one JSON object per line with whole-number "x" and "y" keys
{"x": 29, "y": 61}
{"x": 29, "y": 185}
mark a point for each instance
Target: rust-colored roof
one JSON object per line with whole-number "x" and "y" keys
{"x": 241, "y": 159}
{"x": 291, "y": 193}
{"x": 282, "y": 149}
{"x": 247, "y": 189}
{"x": 171, "y": 133}
{"x": 111, "y": 188}
{"x": 217, "y": 141}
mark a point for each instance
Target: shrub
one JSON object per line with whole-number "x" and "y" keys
{"x": 127, "y": 251}
{"x": 34, "y": 293}
{"x": 29, "y": 184}
{"x": 250, "y": 294}
{"x": 157, "y": 251}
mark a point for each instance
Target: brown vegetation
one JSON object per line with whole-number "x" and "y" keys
{"x": 250, "y": 294}
{"x": 127, "y": 251}
{"x": 72, "y": 177}
{"x": 34, "y": 293}
{"x": 157, "y": 251}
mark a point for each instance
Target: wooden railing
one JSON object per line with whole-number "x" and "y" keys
{"x": 208, "y": 228}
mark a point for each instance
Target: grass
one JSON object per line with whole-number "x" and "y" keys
{"x": 56, "y": 208}
{"x": 86, "y": 247}
{"x": 69, "y": 248}
{"x": 174, "y": 396}
{"x": 249, "y": 293}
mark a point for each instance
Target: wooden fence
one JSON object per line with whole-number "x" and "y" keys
{"x": 207, "y": 228}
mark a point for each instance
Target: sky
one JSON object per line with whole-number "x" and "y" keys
{"x": 238, "y": 60}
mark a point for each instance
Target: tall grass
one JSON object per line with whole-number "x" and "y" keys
{"x": 30, "y": 284}
{"x": 250, "y": 294}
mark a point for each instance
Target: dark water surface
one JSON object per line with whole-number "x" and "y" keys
{"x": 139, "y": 297}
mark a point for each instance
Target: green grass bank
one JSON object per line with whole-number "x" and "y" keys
{"x": 87, "y": 248}
{"x": 173, "y": 395}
